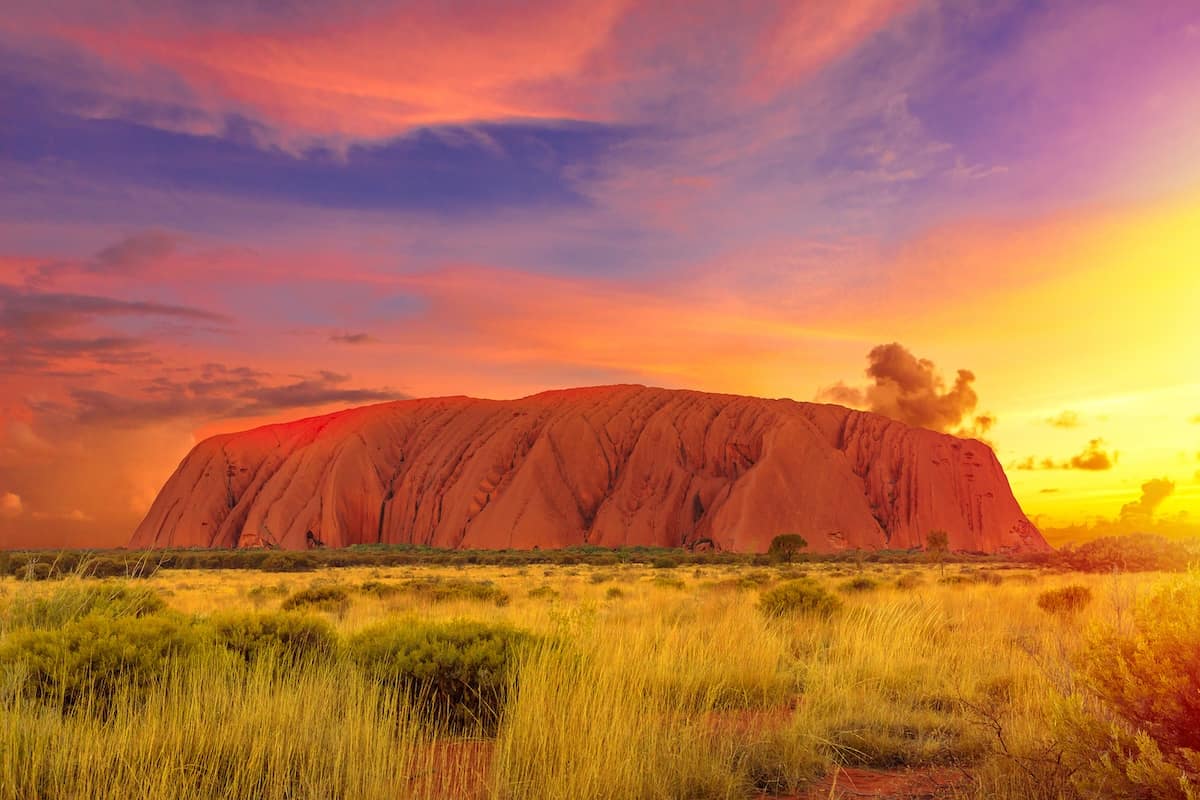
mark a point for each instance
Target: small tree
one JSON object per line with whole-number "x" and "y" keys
{"x": 937, "y": 545}
{"x": 785, "y": 547}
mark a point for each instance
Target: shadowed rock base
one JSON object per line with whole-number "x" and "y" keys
{"x": 610, "y": 466}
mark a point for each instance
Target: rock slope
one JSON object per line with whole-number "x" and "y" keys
{"x": 613, "y": 465}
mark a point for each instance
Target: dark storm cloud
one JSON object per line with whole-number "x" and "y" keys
{"x": 912, "y": 390}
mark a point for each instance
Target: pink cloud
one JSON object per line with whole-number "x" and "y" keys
{"x": 371, "y": 71}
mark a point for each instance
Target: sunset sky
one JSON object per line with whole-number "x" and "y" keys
{"x": 218, "y": 214}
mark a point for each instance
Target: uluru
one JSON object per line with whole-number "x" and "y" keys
{"x": 608, "y": 466}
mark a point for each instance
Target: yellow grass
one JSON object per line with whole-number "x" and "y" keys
{"x": 659, "y": 693}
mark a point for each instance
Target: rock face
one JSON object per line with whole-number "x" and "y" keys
{"x": 610, "y": 466}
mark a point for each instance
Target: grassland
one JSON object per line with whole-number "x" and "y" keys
{"x": 616, "y": 681}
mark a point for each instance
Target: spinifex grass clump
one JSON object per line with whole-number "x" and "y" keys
{"x": 859, "y": 584}
{"x": 802, "y": 596}
{"x": 77, "y": 599}
{"x": 86, "y": 662}
{"x": 459, "y": 672}
{"x": 322, "y": 597}
{"x": 286, "y": 637}
{"x": 441, "y": 590}
{"x": 1066, "y": 601}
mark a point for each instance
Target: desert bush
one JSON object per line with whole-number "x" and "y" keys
{"x": 76, "y": 600}
{"x": 323, "y": 597}
{"x": 111, "y": 567}
{"x": 859, "y": 584}
{"x": 440, "y": 590}
{"x": 37, "y": 571}
{"x": 543, "y": 592}
{"x": 786, "y": 547}
{"x": 378, "y": 588}
{"x": 1065, "y": 601}
{"x": 284, "y": 561}
{"x": 1143, "y": 739}
{"x": 798, "y": 597}
{"x": 664, "y": 562}
{"x": 614, "y": 593}
{"x": 86, "y": 662}
{"x": 669, "y": 582}
{"x": 909, "y": 581}
{"x": 459, "y": 671}
{"x": 1141, "y": 552}
{"x": 289, "y": 636}
{"x": 600, "y": 577}
{"x": 990, "y": 577}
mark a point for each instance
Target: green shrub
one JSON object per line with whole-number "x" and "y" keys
{"x": 1065, "y": 601}
{"x": 261, "y": 593}
{"x": 283, "y": 561}
{"x": 1146, "y": 678}
{"x": 802, "y": 596}
{"x": 324, "y": 597}
{"x": 614, "y": 593}
{"x": 80, "y": 599}
{"x": 440, "y": 590}
{"x": 289, "y": 636}
{"x": 111, "y": 567}
{"x": 459, "y": 671}
{"x": 664, "y": 562}
{"x": 1141, "y": 552}
{"x": 786, "y": 547}
{"x": 859, "y": 584}
{"x": 84, "y": 663}
{"x": 379, "y": 588}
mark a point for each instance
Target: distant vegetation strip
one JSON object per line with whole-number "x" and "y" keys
{"x": 1135, "y": 553}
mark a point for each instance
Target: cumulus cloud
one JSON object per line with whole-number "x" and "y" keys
{"x": 1065, "y": 419}
{"x": 1094, "y": 457}
{"x": 1154, "y": 492}
{"x": 1137, "y": 516}
{"x": 913, "y": 391}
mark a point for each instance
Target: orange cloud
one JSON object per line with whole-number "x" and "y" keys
{"x": 911, "y": 390}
